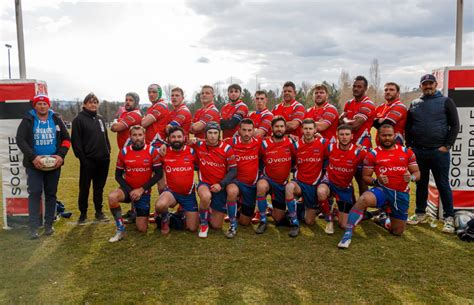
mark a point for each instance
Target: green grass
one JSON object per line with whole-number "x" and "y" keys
{"x": 78, "y": 265}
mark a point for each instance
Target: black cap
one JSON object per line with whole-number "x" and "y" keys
{"x": 427, "y": 78}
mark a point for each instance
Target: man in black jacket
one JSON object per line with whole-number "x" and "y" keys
{"x": 91, "y": 146}
{"x": 431, "y": 130}
{"x": 42, "y": 133}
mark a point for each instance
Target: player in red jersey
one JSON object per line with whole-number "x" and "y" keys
{"x": 310, "y": 154}
{"x": 395, "y": 166}
{"x": 262, "y": 117}
{"x": 392, "y": 112}
{"x": 130, "y": 117}
{"x": 359, "y": 115}
{"x": 343, "y": 160}
{"x": 246, "y": 149}
{"x": 157, "y": 116}
{"x": 180, "y": 115}
{"x": 324, "y": 114}
{"x": 217, "y": 168}
{"x": 138, "y": 169}
{"x": 208, "y": 112}
{"x": 276, "y": 155}
{"x": 233, "y": 112}
{"x": 290, "y": 109}
{"x": 178, "y": 160}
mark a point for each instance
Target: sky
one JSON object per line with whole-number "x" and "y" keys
{"x": 113, "y": 47}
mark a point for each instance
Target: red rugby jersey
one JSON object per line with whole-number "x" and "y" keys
{"x": 364, "y": 109}
{"x": 246, "y": 157}
{"x": 262, "y": 120}
{"x": 277, "y": 157}
{"x": 129, "y": 118}
{"x": 214, "y": 161}
{"x": 138, "y": 164}
{"x": 181, "y": 116}
{"x": 294, "y": 112}
{"x": 327, "y": 114}
{"x": 230, "y": 110}
{"x": 392, "y": 163}
{"x": 206, "y": 115}
{"x": 342, "y": 164}
{"x": 309, "y": 160}
{"x": 160, "y": 113}
{"x": 396, "y": 112}
{"x": 178, "y": 167}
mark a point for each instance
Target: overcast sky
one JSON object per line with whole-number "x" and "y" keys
{"x": 111, "y": 48}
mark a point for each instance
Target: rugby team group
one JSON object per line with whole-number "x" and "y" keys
{"x": 242, "y": 158}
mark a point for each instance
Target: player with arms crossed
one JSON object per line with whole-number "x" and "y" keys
{"x": 290, "y": 109}
{"x": 324, "y": 114}
{"x": 130, "y": 117}
{"x": 233, "y": 112}
{"x": 207, "y": 113}
{"x": 157, "y": 115}
{"x": 262, "y": 117}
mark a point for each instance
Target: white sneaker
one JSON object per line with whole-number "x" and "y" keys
{"x": 119, "y": 235}
{"x": 203, "y": 231}
{"x": 329, "y": 228}
{"x": 448, "y": 225}
{"x": 344, "y": 243}
{"x": 418, "y": 218}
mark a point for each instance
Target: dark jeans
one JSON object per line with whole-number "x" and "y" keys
{"x": 38, "y": 181}
{"x": 438, "y": 162}
{"x": 95, "y": 171}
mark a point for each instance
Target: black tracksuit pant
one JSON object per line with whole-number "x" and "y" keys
{"x": 95, "y": 171}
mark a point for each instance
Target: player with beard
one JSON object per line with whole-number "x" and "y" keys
{"x": 177, "y": 160}
{"x": 246, "y": 149}
{"x": 343, "y": 160}
{"x": 276, "y": 155}
{"x": 138, "y": 169}
{"x": 157, "y": 115}
{"x": 233, "y": 112}
{"x": 395, "y": 166}
{"x": 324, "y": 114}
{"x": 291, "y": 110}
{"x": 130, "y": 117}
{"x": 207, "y": 113}
{"x": 262, "y": 117}
{"x": 310, "y": 154}
{"x": 217, "y": 168}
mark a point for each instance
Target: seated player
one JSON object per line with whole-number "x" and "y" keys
{"x": 138, "y": 169}
{"x": 395, "y": 166}
{"x": 177, "y": 160}
{"x": 343, "y": 160}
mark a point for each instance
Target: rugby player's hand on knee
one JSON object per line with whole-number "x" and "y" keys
{"x": 216, "y": 188}
{"x": 136, "y": 194}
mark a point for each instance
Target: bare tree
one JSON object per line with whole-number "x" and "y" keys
{"x": 374, "y": 91}
{"x": 345, "y": 85}
{"x": 167, "y": 91}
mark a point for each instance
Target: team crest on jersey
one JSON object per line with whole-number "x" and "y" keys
{"x": 316, "y": 150}
{"x": 186, "y": 159}
{"x": 402, "y": 158}
{"x": 349, "y": 161}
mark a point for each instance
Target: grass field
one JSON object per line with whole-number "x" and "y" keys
{"x": 78, "y": 265}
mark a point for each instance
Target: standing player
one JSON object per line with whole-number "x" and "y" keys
{"x": 343, "y": 160}
{"x": 392, "y": 112}
{"x": 262, "y": 117}
{"x": 276, "y": 154}
{"x": 177, "y": 161}
{"x": 208, "y": 113}
{"x": 156, "y": 117}
{"x": 395, "y": 166}
{"x": 310, "y": 154}
{"x": 217, "y": 168}
{"x": 359, "y": 114}
{"x": 138, "y": 169}
{"x": 130, "y": 117}
{"x": 292, "y": 111}
{"x": 324, "y": 114}
{"x": 246, "y": 149}
{"x": 233, "y": 112}
{"x": 180, "y": 115}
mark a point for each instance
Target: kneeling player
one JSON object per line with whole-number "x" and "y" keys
{"x": 137, "y": 171}
{"x": 178, "y": 164}
{"x": 343, "y": 160}
{"x": 395, "y": 166}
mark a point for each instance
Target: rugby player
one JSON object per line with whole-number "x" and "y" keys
{"x": 291, "y": 110}
{"x": 276, "y": 154}
{"x": 233, "y": 112}
{"x": 310, "y": 154}
{"x": 246, "y": 149}
{"x": 177, "y": 161}
{"x": 207, "y": 113}
{"x": 138, "y": 169}
{"x": 217, "y": 168}
{"x": 343, "y": 160}
{"x": 324, "y": 114}
{"x": 262, "y": 117}
{"x": 130, "y": 117}
{"x": 394, "y": 166}
{"x": 157, "y": 116}
{"x": 180, "y": 115}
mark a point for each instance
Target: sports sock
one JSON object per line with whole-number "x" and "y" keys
{"x": 117, "y": 213}
{"x": 203, "y": 216}
{"x": 232, "y": 213}
{"x": 325, "y": 209}
{"x": 164, "y": 217}
{"x": 291, "y": 206}
{"x": 355, "y": 216}
{"x": 262, "y": 208}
